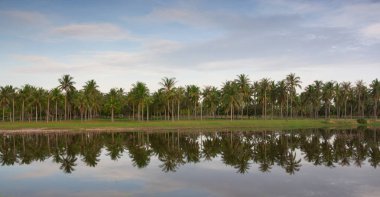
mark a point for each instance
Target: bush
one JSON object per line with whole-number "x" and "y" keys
{"x": 362, "y": 121}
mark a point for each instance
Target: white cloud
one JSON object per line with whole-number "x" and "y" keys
{"x": 372, "y": 31}
{"x": 91, "y": 31}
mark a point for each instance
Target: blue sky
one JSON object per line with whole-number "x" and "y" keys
{"x": 199, "y": 42}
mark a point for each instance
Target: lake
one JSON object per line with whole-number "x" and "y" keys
{"x": 313, "y": 162}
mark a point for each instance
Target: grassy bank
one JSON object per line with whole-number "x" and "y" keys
{"x": 185, "y": 124}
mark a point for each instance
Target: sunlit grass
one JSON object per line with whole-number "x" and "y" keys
{"x": 160, "y": 124}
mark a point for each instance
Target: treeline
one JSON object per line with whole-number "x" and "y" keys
{"x": 240, "y": 98}
{"x": 240, "y": 150}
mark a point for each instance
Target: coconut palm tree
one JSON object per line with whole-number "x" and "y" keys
{"x": 281, "y": 92}
{"x": 375, "y": 93}
{"x": 243, "y": 82}
{"x": 5, "y": 98}
{"x": 168, "y": 85}
{"x": 80, "y": 102}
{"x": 91, "y": 91}
{"x": 345, "y": 90}
{"x": 140, "y": 92}
{"x": 293, "y": 82}
{"x": 66, "y": 84}
{"x": 211, "y": 98}
{"x": 265, "y": 85}
{"x": 327, "y": 96}
{"x": 360, "y": 91}
{"x": 231, "y": 97}
{"x": 193, "y": 94}
{"x": 179, "y": 95}
{"x": 24, "y": 94}
{"x": 56, "y": 96}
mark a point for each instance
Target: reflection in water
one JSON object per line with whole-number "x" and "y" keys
{"x": 240, "y": 150}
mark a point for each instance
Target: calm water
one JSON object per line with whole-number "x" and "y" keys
{"x": 286, "y": 163}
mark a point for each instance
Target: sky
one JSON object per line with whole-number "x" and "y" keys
{"x": 201, "y": 42}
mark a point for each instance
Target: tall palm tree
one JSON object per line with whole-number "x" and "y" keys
{"x": 360, "y": 91}
{"x": 293, "y": 82}
{"x": 211, "y": 98}
{"x": 168, "y": 85}
{"x": 317, "y": 97}
{"x": 140, "y": 92}
{"x": 66, "y": 84}
{"x": 56, "y": 97}
{"x": 375, "y": 93}
{"x": 91, "y": 91}
{"x": 24, "y": 94}
{"x": 281, "y": 92}
{"x": 193, "y": 94}
{"x": 243, "y": 82}
{"x": 231, "y": 97}
{"x": 179, "y": 95}
{"x": 5, "y": 98}
{"x": 265, "y": 85}
{"x": 345, "y": 90}
{"x": 80, "y": 102}
{"x": 328, "y": 95}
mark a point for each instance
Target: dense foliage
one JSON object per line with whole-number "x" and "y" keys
{"x": 239, "y": 98}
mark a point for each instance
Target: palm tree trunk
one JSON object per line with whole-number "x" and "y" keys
{"x": 231, "y": 109}
{"x": 48, "y": 111}
{"x": 188, "y": 113}
{"x": 3, "y": 113}
{"x": 178, "y": 104}
{"x": 112, "y": 114}
{"x": 172, "y": 110}
{"x": 291, "y": 107}
{"x": 13, "y": 110}
{"x": 133, "y": 111}
{"x": 65, "y": 106}
{"x": 201, "y": 111}
{"x": 168, "y": 110}
{"x": 142, "y": 111}
{"x": 287, "y": 106}
{"x": 147, "y": 112}
{"x": 22, "y": 109}
{"x": 56, "y": 110}
{"x": 36, "y": 113}
{"x": 345, "y": 109}
{"x": 375, "y": 110}
{"x": 195, "y": 110}
{"x": 265, "y": 106}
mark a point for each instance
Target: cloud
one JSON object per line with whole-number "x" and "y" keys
{"x": 184, "y": 16}
{"x": 25, "y": 17}
{"x": 91, "y": 31}
{"x": 372, "y": 31}
{"x": 38, "y": 64}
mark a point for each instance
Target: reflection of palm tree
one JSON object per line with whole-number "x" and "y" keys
{"x": 68, "y": 163}
{"x": 171, "y": 160}
{"x": 292, "y": 164}
{"x": 374, "y": 156}
{"x": 140, "y": 155}
{"x": 115, "y": 148}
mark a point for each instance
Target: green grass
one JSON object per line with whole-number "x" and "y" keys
{"x": 184, "y": 124}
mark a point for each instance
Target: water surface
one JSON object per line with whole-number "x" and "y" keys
{"x": 317, "y": 162}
